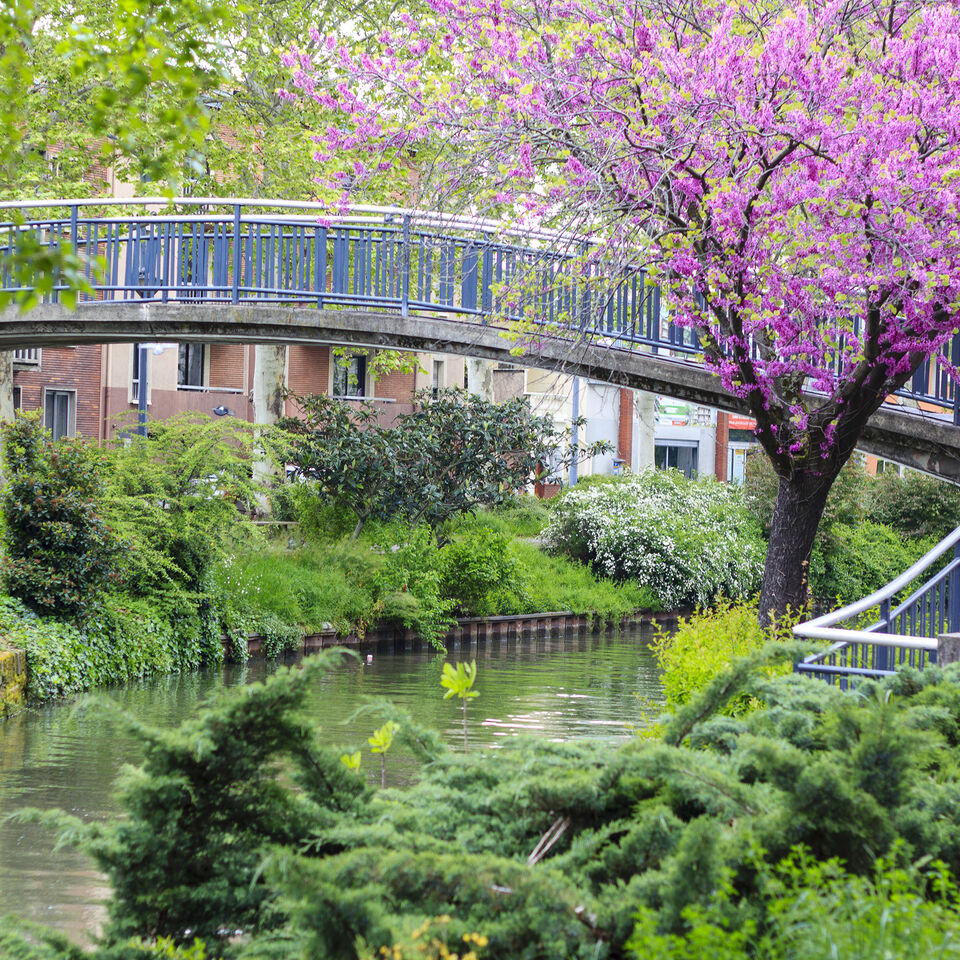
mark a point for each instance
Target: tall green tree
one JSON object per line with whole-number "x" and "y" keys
{"x": 128, "y": 82}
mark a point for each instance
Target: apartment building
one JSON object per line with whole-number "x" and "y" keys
{"x": 643, "y": 430}
{"x": 93, "y": 391}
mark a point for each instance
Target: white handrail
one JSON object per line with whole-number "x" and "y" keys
{"x": 822, "y": 628}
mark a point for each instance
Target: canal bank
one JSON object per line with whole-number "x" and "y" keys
{"x": 466, "y": 630}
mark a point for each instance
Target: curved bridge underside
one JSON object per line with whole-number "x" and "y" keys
{"x": 925, "y": 442}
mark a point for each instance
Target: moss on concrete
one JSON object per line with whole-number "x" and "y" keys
{"x": 13, "y": 681}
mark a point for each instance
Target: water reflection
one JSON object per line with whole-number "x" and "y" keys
{"x": 558, "y": 689}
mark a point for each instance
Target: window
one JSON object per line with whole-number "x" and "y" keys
{"x": 437, "y": 384}
{"x": 679, "y": 456}
{"x": 350, "y": 380}
{"x": 190, "y": 367}
{"x": 135, "y": 379}
{"x": 17, "y": 398}
{"x": 59, "y": 410}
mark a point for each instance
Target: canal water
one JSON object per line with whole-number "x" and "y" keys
{"x": 56, "y": 757}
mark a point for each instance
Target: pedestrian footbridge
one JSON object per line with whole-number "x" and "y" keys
{"x": 257, "y": 271}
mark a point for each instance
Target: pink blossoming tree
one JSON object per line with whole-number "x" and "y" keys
{"x": 788, "y": 172}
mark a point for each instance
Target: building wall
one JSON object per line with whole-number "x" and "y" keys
{"x": 228, "y": 365}
{"x": 396, "y": 386}
{"x": 66, "y": 368}
{"x": 228, "y": 381}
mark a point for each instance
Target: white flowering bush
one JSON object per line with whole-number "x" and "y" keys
{"x": 687, "y": 540}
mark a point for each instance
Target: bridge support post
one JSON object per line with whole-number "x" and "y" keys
{"x": 269, "y": 384}
{"x": 6, "y": 385}
{"x": 646, "y": 423}
{"x": 574, "y": 432}
{"x": 480, "y": 378}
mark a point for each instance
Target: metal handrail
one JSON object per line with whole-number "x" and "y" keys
{"x": 921, "y": 590}
{"x": 824, "y": 627}
{"x": 450, "y": 221}
{"x": 612, "y": 303}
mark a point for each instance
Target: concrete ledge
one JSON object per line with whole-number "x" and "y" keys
{"x": 13, "y": 681}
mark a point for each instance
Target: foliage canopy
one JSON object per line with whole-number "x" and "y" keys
{"x": 685, "y": 832}
{"x": 453, "y": 453}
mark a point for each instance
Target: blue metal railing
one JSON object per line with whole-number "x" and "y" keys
{"x": 395, "y": 260}
{"x": 905, "y": 635}
{"x": 212, "y": 250}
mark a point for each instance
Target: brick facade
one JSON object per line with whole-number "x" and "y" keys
{"x": 101, "y": 378}
{"x": 308, "y": 369}
{"x": 74, "y": 369}
{"x": 227, "y": 365}
{"x": 625, "y": 427}
{"x": 397, "y": 386}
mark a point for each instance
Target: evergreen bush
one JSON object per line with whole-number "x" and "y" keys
{"x": 664, "y": 848}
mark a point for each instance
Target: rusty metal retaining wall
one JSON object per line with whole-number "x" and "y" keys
{"x": 528, "y": 626}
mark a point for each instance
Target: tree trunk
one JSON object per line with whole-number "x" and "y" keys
{"x": 800, "y": 503}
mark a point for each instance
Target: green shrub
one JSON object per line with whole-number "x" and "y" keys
{"x": 850, "y": 562}
{"x": 705, "y": 645}
{"x": 321, "y": 519}
{"x": 283, "y": 502}
{"x": 57, "y": 551}
{"x": 481, "y": 575}
{"x": 687, "y": 540}
{"x": 914, "y": 504}
{"x": 817, "y": 911}
{"x": 408, "y": 583}
{"x": 181, "y": 500}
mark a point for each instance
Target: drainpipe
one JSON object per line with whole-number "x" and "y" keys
{"x": 142, "y": 354}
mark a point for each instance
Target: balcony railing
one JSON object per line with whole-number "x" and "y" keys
{"x": 27, "y": 358}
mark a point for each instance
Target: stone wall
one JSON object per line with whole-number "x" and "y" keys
{"x": 13, "y": 681}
